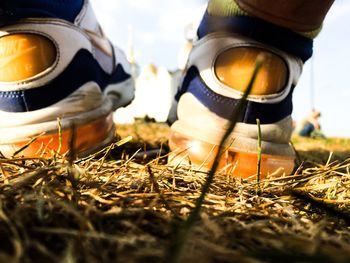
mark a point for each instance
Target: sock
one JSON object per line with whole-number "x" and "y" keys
{"x": 17, "y": 9}
{"x": 227, "y": 8}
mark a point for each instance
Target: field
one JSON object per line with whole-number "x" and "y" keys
{"x": 125, "y": 204}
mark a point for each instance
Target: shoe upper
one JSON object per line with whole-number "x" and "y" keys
{"x": 45, "y": 60}
{"x": 221, "y": 38}
{"x": 218, "y": 71}
{"x": 202, "y": 80}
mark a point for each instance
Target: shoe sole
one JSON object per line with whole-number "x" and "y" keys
{"x": 88, "y": 138}
{"x": 197, "y": 132}
{"x": 92, "y": 130}
{"x": 187, "y": 150}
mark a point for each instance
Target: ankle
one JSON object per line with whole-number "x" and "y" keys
{"x": 225, "y": 8}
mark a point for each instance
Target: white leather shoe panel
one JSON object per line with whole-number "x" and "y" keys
{"x": 210, "y": 127}
{"x": 206, "y": 51}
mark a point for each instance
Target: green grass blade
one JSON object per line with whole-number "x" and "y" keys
{"x": 258, "y": 169}
{"x": 179, "y": 239}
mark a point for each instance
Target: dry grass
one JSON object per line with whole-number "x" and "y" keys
{"x": 113, "y": 209}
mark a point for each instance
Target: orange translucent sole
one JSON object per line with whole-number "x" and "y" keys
{"x": 238, "y": 164}
{"x": 88, "y": 137}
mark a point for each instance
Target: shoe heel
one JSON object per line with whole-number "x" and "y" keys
{"x": 187, "y": 150}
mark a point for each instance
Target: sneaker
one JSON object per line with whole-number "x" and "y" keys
{"x": 55, "y": 74}
{"x": 218, "y": 71}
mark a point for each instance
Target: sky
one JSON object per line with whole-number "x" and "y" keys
{"x": 158, "y": 32}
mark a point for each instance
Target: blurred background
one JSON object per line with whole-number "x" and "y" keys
{"x": 152, "y": 33}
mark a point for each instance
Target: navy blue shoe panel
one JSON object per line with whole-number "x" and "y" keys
{"x": 17, "y": 9}
{"x": 224, "y": 106}
{"x": 82, "y": 69}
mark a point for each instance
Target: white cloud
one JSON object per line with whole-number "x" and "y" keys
{"x": 337, "y": 11}
{"x": 144, "y": 5}
{"x": 171, "y": 24}
{"x": 146, "y": 38}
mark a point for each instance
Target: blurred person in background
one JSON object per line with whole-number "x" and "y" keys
{"x": 310, "y": 126}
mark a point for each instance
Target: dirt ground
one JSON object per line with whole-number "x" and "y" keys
{"x": 126, "y": 205}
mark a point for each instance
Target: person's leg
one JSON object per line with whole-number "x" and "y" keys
{"x": 307, "y": 130}
{"x": 57, "y": 71}
{"x": 297, "y": 15}
{"x": 231, "y": 36}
